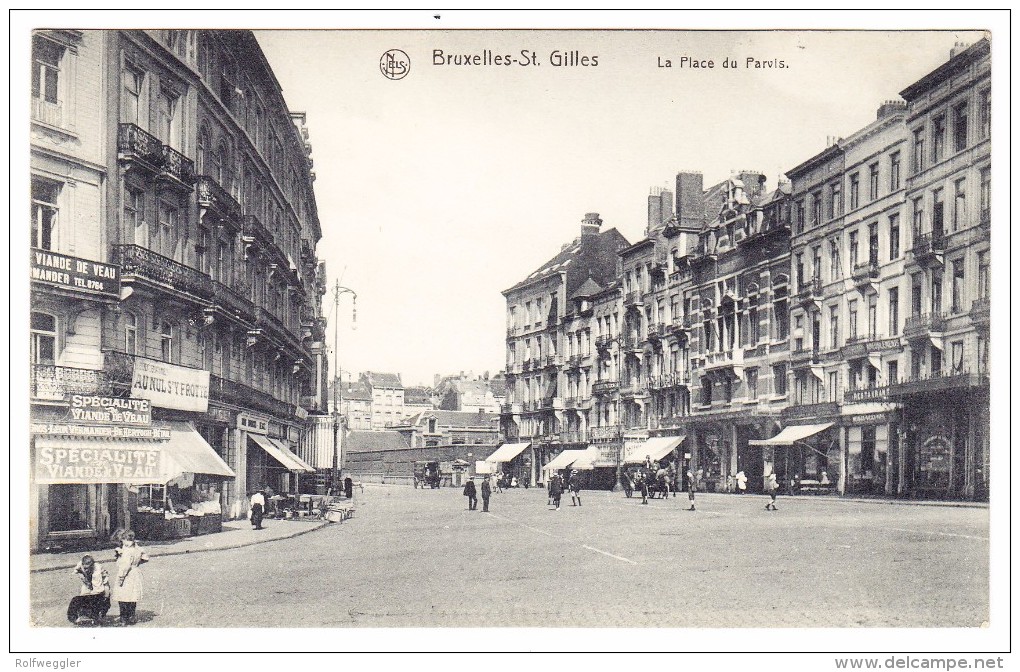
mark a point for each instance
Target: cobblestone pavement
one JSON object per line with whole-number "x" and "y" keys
{"x": 420, "y": 558}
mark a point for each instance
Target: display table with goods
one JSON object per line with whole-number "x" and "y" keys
{"x": 169, "y": 512}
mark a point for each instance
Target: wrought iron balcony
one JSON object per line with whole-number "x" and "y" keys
{"x": 929, "y": 248}
{"x": 233, "y": 392}
{"x": 570, "y": 403}
{"x": 573, "y": 436}
{"x": 551, "y": 361}
{"x": 802, "y": 356}
{"x": 810, "y": 291}
{"x": 603, "y": 342}
{"x": 865, "y": 272}
{"x": 633, "y": 299}
{"x": 161, "y": 271}
{"x": 937, "y": 382}
{"x": 513, "y": 408}
{"x": 235, "y": 302}
{"x": 214, "y": 197}
{"x": 924, "y": 325}
{"x": 55, "y": 382}
{"x": 138, "y": 147}
{"x": 256, "y": 230}
{"x": 632, "y": 342}
{"x": 605, "y": 433}
{"x": 177, "y": 167}
{"x": 980, "y": 312}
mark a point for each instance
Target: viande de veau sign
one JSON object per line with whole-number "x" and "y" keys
{"x": 101, "y": 463}
{"x": 81, "y": 275}
{"x": 109, "y": 410}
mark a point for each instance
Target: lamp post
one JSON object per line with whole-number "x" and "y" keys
{"x": 338, "y": 378}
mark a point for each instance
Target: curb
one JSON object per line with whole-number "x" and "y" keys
{"x": 254, "y": 542}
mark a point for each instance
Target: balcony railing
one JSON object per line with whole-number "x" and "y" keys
{"x": 143, "y": 262}
{"x": 866, "y": 271}
{"x": 937, "y": 382}
{"x": 233, "y": 392}
{"x": 756, "y": 351}
{"x": 211, "y": 195}
{"x": 633, "y": 341}
{"x": 603, "y": 342}
{"x": 135, "y": 144}
{"x": 725, "y": 358}
{"x": 235, "y": 302}
{"x": 55, "y": 382}
{"x": 254, "y": 228}
{"x": 511, "y": 408}
{"x": 980, "y": 311}
{"x": 177, "y": 166}
{"x": 928, "y": 244}
{"x": 810, "y": 290}
{"x": 804, "y": 356}
{"x": 570, "y": 403}
{"x": 552, "y": 360}
{"x": 47, "y": 112}
{"x": 575, "y": 436}
{"x": 926, "y": 323}
{"x": 800, "y": 411}
{"x": 866, "y": 394}
{"x": 574, "y": 361}
{"x": 633, "y": 299}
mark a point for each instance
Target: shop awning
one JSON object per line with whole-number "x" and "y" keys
{"x": 507, "y": 452}
{"x": 131, "y": 461}
{"x": 791, "y": 435}
{"x": 586, "y": 460}
{"x": 564, "y": 459}
{"x": 280, "y": 453}
{"x": 656, "y": 448}
{"x": 285, "y": 449}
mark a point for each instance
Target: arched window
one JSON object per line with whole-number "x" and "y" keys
{"x": 44, "y": 339}
{"x": 201, "y": 150}
{"x": 166, "y": 341}
{"x": 130, "y": 333}
{"x": 217, "y": 162}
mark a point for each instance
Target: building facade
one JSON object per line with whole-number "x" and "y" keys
{"x": 197, "y": 193}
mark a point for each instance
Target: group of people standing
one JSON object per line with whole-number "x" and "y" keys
{"x": 472, "y": 494}
{"x": 558, "y": 485}
{"x": 97, "y": 587}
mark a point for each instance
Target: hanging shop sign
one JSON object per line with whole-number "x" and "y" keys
{"x": 80, "y": 275}
{"x": 109, "y": 410}
{"x": 170, "y": 386}
{"x": 255, "y": 424}
{"x": 869, "y": 419}
{"x": 97, "y": 464}
{"x": 934, "y": 455}
{"x": 100, "y": 431}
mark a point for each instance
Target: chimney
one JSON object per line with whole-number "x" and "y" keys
{"x": 690, "y": 206}
{"x": 958, "y": 49}
{"x": 590, "y": 224}
{"x": 890, "y": 107}
{"x": 754, "y": 183}
{"x": 660, "y": 207}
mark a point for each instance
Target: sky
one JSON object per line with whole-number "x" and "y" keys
{"x": 439, "y": 190}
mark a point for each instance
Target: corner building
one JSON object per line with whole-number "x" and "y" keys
{"x": 208, "y": 215}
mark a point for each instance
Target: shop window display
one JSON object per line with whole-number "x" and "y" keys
{"x": 68, "y": 507}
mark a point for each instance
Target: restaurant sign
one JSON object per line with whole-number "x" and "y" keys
{"x": 253, "y": 424}
{"x": 109, "y": 410}
{"x": 100, "y": 431}
{"x": 101, "y": 463}
{"x": 170, "y": 386}
{"x": 82, "y": 275}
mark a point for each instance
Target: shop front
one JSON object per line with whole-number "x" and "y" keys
{"x": 872, "y": 447}
{"x": 803, "y": 457}
{"x": 514, "y": 460}
{"x": 95, "y": 480}
{"x": 712, "y": 453}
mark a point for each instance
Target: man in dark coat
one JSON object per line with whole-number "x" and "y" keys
{"x": 556, "y": 489}
{"x": 471, "y": 494}
{"x": 348, "y": 488}
{"x": 486, "y": 493}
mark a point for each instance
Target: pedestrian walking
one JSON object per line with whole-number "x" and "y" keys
{"x": 692, "y": 488}
{"x": 556, "y": 489}
{"x": 256, "y": 509}
{"x": 128, "y": 588}
{"x": 643, "y": 485}
{"x": 771, "y": 489}
{"x": 486, "y": 493}
{"x": 90, "y": 605}
{"x": 471, "y": 494}
{"x": 499, "y": 481}
{"x": 575, "y": 488}
{"x": 741, "y": 482}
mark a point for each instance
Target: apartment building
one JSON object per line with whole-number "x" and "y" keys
{"x": 168, "y": 170}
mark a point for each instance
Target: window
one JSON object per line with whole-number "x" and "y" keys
{"x": 873, "y": 243}
{"x": 894, "y": 171}
{"x": 816, "y": 263}
{"x": 918, "y": 149}
{"x": 894, "y": 311}
{"x": 985, "y": 112}
{"x": 936, "y": 292}
{"x": 957, "y": 266}
{"x": 892, "y": 372}
{"x": 779, "y": 378}
{"x": 894, "y": 237}
{"x": 938, "y": 138}
{"x": 873, "y": 181}
{"x": 833, "y": 386}
{"x": 938, "y": 214}
{"x": 782, "y": 320}
{"x": 853, "y": 321}
{"x": 984, "y": 277}
{"x": 835, "y": 200}
{"x": 956, "y": 363}
{"x": 916, "y": 285}
{"x": 68, "y": 507}
{"x": 751, "y": 377}
{"x": 130, "y": 333}
{"x": 834, "y": 270}
{"x": 166, "y": 341}
{"x": 854, "y": 249}
{"x": 798, "y": 333}
{"x": 151, "y": 497}
{"x": 936, "y": 362}
{"x": 135, "y": 228}
{"x": 800, "y": 271}
{"x": 167, "y": 227}
{"x": 867, "y": 449}
{"x": 855, "y": 191}
{"x": 834, "y": 327}
{"x": 44, "y": 339}
{"x": 44, "y": 213}
{"x": 167, "y": 118}
{"x": 46, "y": 57}
{"x": 872, "y": 319}
{"x": 131, "y": 94}
{"x": 959, "y": 203}
{"x": 918, "y": 218}
{"x": 816, "y": 208}
{"x": 986, "y": 195}
{"x": 800, "y": 216}
{"x": 960, "y": 127}
{"x": 706, "y": 391}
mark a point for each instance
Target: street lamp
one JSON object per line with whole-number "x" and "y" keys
{"x": 338, "y": 379}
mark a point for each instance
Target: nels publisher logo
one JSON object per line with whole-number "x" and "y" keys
{"x": 395, "y": 64}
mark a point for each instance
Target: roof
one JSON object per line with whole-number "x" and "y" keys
{"x": 978, "y": 50}
{"x": 388, "y": 380}
{"x": 417, "y": 395}
{"x": 370, "y": 442}
{"x": 455, "y": 419}
{"x": 588, "y": 256}
{"x": 354, "y": 390}
{"x": 589, "y": 289}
